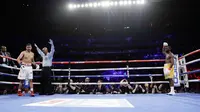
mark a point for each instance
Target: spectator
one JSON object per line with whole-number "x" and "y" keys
{"x": 155, "y": 89}
{"x": 59, "y": 89}
{"x": 86, "y": 89}
{"x": 5, "y": 61}
{"x": 138, "y": 89}
{"x": 100, "y": 89}
{"x": 5, "y": 92}
{"x": 114, "y": 89}
{"x": 72, "y": 89}
{"x": 125, "y": 88}
{"x": 146, "y": 88}
{"x": 65, "y": 89}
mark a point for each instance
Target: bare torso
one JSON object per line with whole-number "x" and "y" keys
{"x": 168, "y": 58}
{"x": 27, "y": 57}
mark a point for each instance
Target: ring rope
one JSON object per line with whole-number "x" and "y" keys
{"x": 73, "y": 76}
{"x": 10, "y": 67}
{"x": 97, "y": 69}
{"x": 119, "y": 61}
{"x": 191, "y": 72}
{"x": 103, "y": 83}
{"x": 8, "y": 74}
{"x": 190, "y": 62}
{"x": 191, "y": 53}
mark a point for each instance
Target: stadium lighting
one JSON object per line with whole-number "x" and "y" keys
{"x": 125, "y": 2}
{"x": 129, "y": 2}
{"x": 74, "y": 6}
{"x": 99, "y": 4}
{"x": 86, "y": 5}
{"x": 111, "y": 3}
{"x": 95, "y": 4}
{"x": 142, "y": 2}
{"x": 106, "y": 3}
{"x": 90, "y": 4}
{"x": 82, "y": 5}
{"x": 138, "y": 2}
{"x": 116, "y": 3}
{"x": 121, "y": 2}
{"x": 70, "y": 6}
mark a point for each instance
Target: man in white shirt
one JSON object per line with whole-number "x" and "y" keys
{"x": 46, "y": 73}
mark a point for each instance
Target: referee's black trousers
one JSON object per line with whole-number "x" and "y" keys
{"x": 46, "y": 86}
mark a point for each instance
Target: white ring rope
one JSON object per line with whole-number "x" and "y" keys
{"x": 190, "y": 62}
{"x": 10, "y": 67}
{"x": 9, "y": 74}
{"x": 103, "y": 83}
{"x": 103, "y": 69}
{"x": 80, "y": 76}
{"x": 97, "y": 69}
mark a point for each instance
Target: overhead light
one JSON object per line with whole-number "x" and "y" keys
{"x": 129, "y": 2}
{"x": 82, "y": 5}
{"x": 138, "y": 2}
{"x": 142, "y": 1}
{"x": 115, "y": 3}
{"x": 121, "y": 2}
{"x": 111, "y": 3}
{"x": 90, "y": 4}
{"x": 86, "y": 5}
{"x": 125, "y": 2}
{"x": 106, "y": 3}
{"x": 95, "y": 4}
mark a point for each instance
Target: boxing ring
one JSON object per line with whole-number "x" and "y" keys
{"x": 108, "y": 102}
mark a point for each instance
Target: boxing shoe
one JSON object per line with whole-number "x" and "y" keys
{"x": 171, "y": 93}
{"x": 19, "y": 93}
{"x": 32, "y": 94}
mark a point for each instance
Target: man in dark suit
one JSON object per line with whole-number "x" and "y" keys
{"x": 5, "y": 61}
{"x": 3, "y": 52}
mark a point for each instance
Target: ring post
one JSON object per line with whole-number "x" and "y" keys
{"x": 69, "y": 73}
{"x": 128, "y": 74}
{"x": 177, "y": 80}
{"x": 184, "y": 70}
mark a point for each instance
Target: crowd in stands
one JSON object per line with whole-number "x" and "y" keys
{"x": 123, "y": 88}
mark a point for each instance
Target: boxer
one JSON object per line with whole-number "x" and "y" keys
{"x": 25, "y": 60}
{"x": 169, "y": 66}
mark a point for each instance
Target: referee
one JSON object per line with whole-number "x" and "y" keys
{"x": 46, "y": 73}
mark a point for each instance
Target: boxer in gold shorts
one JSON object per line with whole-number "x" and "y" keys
{"x": 169, "y": 66}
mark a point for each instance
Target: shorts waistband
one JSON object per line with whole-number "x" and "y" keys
{"x": 26, "y": 64}
{"x": 167, "y": 64}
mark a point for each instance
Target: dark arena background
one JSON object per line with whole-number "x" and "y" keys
{"x": 108, "y": 55}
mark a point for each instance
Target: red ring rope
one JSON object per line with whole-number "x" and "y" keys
{"x": 119, "y": 61}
